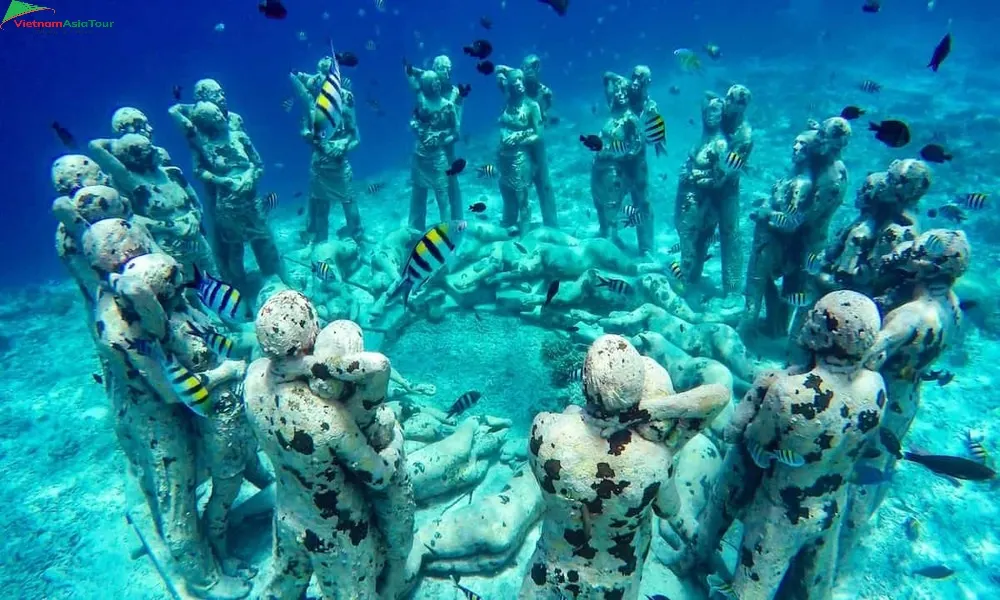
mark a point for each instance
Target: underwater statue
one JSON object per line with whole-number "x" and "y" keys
{"x": 161, "y": 197}
{"x": 456, "y": 96}
{"x": 796, "y": 437}
{"x": 229, "y": 165}
{"x": 886, "y": 201}
{"x": 435, "y": 123}
{"x": 605, "y": 469}
{"x": 708, "y": 190}
{"x": 520, "y": 129}
{"x": 316, "y": 403}
{"x": 132, "y": 120}
{"x": 609, "y": 176}
{"x": 634, "y": 166}
{"x": 137, "y": 318}
{"x": 792, "y": 225}
{"x": 915, "y": 332}
{"x": 330, "y": 173}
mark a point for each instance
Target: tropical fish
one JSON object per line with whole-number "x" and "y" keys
{"x": 796, "y": 299}
{"x": 434, "y": 249}
{"x": 784, "y": 221}
{"x": 851, "y": 112}
{"x": 592, "y": 142}
{"x": 913, "y": 528}
{"x": 618, "y": 286}
{"x": 892, "y": 133}
{"x": 487, "y": 171}
{"x": 374, "y": 188}
{"x": 814, "y": 263}
{"x": 189, "y": 387}
{"x": 935, "y": 153}
{"x": 457, "y": 166}
{"x": 676, "y": 271}
{"x": 328, "y": 111}
{"x": 323, "y": 270}
{"x": 551, "y": 292}
{"x": 272, "y": 9}
{"x": 268, "y": 202}
{"x": 632, "y": 216}
{"x": 688, "y": 60}
{"x": 734, "y": 162}
{"x": 762, "y": 458}
{"x": 870, "y": 86}
{"x": 974, "y": 443}
{"x": 97, "y": 378}
{"x": 941, "y": 52}
{"x": 486, "y": 67}
{"x": 176, "y": 92}
{"x": 952, "y": 466}
{"x": 656, "y": 133}
{"x": 935, "y": 572}
{"x": 64, "y": 135}
{"x": 480, "y": 49}
{"x": 716, "y": 585}
{"x": 220, "y": 344}
{"x": 871, "y": 6}
{"x": 464, "y": 402}
{"x": 713, "y": 51}
{"x": 975, "y": 200}
{"x": 219, "y": 297}
{"x": 477, "y": 207}
{"x": 560, "y": 6}
{"x": 890, "y": 442}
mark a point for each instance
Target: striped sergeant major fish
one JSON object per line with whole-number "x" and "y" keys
{"x": 618, "y": 286}
{"x": 220, "y": 344}
{"x": 432, "y": 251}
{"x": 762, "y": 458}
{"x": 464, "y": 402}
{"x": 631, "y": 216}
{"x": 186, "y": 385}
{"x": 220, "y": 297}
{"x": 328, "y": 110}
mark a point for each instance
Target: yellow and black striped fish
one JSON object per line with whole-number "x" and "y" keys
{"x": 870, "y": 86}
{"x": 784, "y": 221}
{"x": 790, "y": 458}
{"x": 220, "y": 344}
{"x": 487, "y": 171}
{"x": 617, "y": 146}
{"x": 974, "y": 443}
{"x": 188, "y": 386}
{"x": 220, "y": 297}
{"x": 814, "y": 263}
{"x": 734, "y": 162}
{"x": 656, "y": 133}
{"x": 618, "y": 286}
{"x": 975, "y": 200}
{"x": 464, "y": 402}
{"x": 374, "y": 188}
{"x": 434, "y": 249}
{"x": 711, "y": 242}
{"x": 323, "y": 271}
{"x": 469, "y": 594}
{"x": 328, "y": 111}
{"x": 675, "y": 270}
{"x": 717, "y": 585}
{"x": 269, "y": 202}
{"x": 632, "y": 216}
{"x": 796, "y": 299}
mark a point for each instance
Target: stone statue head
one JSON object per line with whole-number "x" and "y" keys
{"x": 323, "y": 66}
{"x": 711, "y": 111}
{"x": 136, "y": 152}
{"x": 841, "y": 326}
{"x": 737, "y": 99}
{"x": 287, "y": 325}
{"x": 430, "y": 85}
{"x": 209, "y": 90}
{"x": 642, "y": 76}
{"x": 160, "y": 272}
{"x": 909, "y": 179}
{"x": 936, "y": 255}
{"x": 71, "y": 172}
{"x": 805, "y": 146}
{"x": 613, "y": 376}
{"x": 131, "y": 120}
{"x": 512, "y": 83}
{"x": 208, "y": 117}
{"x": 532, "y": 67}
{"x": 836, "y": 132}
{"x": 442, "y": 66}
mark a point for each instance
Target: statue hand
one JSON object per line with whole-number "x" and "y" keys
{"x": 424, "y": 389}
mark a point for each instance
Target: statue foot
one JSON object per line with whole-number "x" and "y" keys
{"x": 226, "y": 588}
{"x": 235, "y": 567}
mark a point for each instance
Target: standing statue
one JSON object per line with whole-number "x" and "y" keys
{"x": 229, "y": 165}
{"x": 456, "y": 95}
{"x": 609, "y": 183}
{"x": 520, "y": 130}
{"x": 132, "y": 120}
{"x": 531, "y": 66}
{"x": 605, "y": 469}
{"x": 330, "y": 173}
{"x": 330, "y": 476}
{"x": 708, "y": 190}
{"x": 163, "y": 201}
{"x": 435, "y": 123}
{"x": 792, "y": 225}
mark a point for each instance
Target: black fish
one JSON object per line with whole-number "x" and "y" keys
{"x": 478, "y": 207}
{"x": 871, "y": 6}
{"x": 486, "y": 22}
{"x": 674, "y": 90}
{"x": 464, "y": 89}
{"x": 347, "y": 59}
{"x": 890, "y": 442}
{"x": 301, "y": 211}
{"x": 551, "y": 293}
{"x": 559, "y": 6}
{"x": 941, "y": 52}
{"x": 572, "y": 329}
{"x": 64, "y": 135}
{"x": 97, "y": 378}
{"x": 935, "y": 572}
{"x": 656, "y": 597}
{"x": 456, "y": 167}
{"x": 592, "y": 142}
{"x": 930, "y": 375}
{"x": 932, "y": 212}
{"x": 952, "y": 466}
{"x": 480, "y": 49}
{"x": 894, "y": 134}
{"x": 177, "y": 92}
{"x": 297, "y": 195}
{"x": 945, "y": 378}
{"x": 463, "y": 403}
{"x": 968, "y": 304}
{"x": 851, "y": 112}
{"x": 935, "y": 153}
{"x": 272, "y": 9}
{"x": 486, "y": 67}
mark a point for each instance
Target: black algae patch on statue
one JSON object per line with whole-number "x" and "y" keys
{"x": 606, "y": 488}
{"x": 604, "y": 470}
{"x": 538, "y": 574}
{"x": 867, "y": 420}
{"x": 298, "y": 476}
{"x": 821, "y": 398}
{"x": 302, "y": 442}
{"x": 326, "y": 502}
{"x": 618, "y": 441}
{"x": 552, "y": 468}
{"x": 312, "y": 542}
{"x": 625, "y": 551}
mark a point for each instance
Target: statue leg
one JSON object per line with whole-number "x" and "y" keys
{"x": 758, "y": 278}
{"x": 813, "y": 572}
{"x": 524, "y": 209}
{"x": 418, "y": 207}
{"x": 454, "y": 190}
{"x": 441, "y": 197}
{"x": 511, "y": 205}
{"x": 543, "y": 186}
{"x": 729, "y": 238}
{"x": 290, "y": 571}
{"x": 266, "y": 253}
{"x": 349, "y": 203}
{"x": 640, "y": 200}
{"x": 769, "y": 545}
{"x": 689, "y": 220}
{"x": 232, "y": 265}
{"x": 318, "y": 211}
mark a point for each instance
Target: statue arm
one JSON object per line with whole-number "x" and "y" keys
{"x": 351, "y": 124}
{"x": 413, "y": 75}
{"x": 747, "y": 407}
{"x": 100, "y": 151}
{"x": 305, "y": 99}
{"x": 897, "y": 328}
{"x": 179, "y": 113}
{"x": 703, "y": 402}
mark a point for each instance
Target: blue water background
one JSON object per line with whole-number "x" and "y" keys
{"x": 79, "y": 77}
